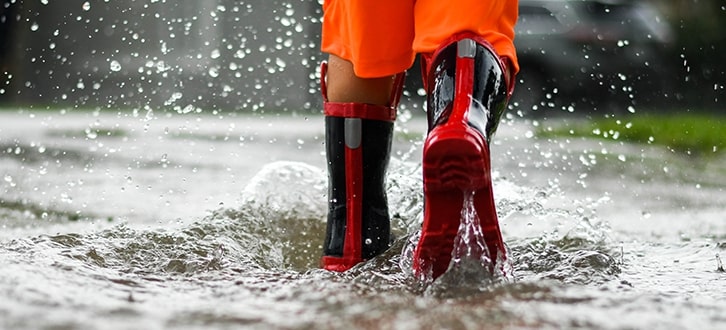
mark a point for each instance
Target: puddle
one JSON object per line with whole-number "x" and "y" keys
{"x": 153, "y": 229}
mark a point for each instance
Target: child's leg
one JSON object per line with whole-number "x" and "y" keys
{"x": 372, "y": 39}
{"x": 361, "y": 86}
{"x": 358, "y": 143}
{"x": 469, "y": 63}
{"x": 344, "y": 86}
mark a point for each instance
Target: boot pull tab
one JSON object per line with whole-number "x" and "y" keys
{"x": 399, "y": 79}
{"x": 324, "y": 80}
{"x": 509, "y": 76}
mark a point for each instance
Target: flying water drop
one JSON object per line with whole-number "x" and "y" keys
{"x": 115, "y": 66}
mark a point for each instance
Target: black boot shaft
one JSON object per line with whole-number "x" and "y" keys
{"x": 489, "y": 96}
{"x": 373, "y": 137}
{"x": 490, "y": 91}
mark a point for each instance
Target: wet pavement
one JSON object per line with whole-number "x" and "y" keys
{"x": 165, "y": 220}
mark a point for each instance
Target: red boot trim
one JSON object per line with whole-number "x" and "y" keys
{"x": 352, "y": 240}
{"x": 353, "y": 245}
{"x": 338, "y": 264}
{"x": 359, "y": 110}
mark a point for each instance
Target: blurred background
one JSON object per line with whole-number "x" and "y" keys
{"x": 583, "y": 57}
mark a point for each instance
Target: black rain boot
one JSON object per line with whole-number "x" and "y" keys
{"x": 467, "y": 95}
{"x": 358, "y": 144}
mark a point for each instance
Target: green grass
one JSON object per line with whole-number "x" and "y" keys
{"x": 37, "y": 212}
{"x": 698, "y": 134}
{"x": 89, "y": 133}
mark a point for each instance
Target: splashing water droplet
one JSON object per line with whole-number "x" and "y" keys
{"x": 187, "y": 109}
{"x": 280, "y": 63}
{"x": 213, "y": 72}
{"x": 34, "y": 27}
{"x": 115, "y": 66}
{"x": 215, "y": 54}
{"x": 86, "y": 6}
{"x": 91, "y": 134}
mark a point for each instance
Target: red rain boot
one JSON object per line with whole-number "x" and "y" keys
{"x": 467, "y": 95}
{"x": 358, "y": 143}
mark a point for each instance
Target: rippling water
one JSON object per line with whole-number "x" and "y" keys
{"x": 121, "y": 221}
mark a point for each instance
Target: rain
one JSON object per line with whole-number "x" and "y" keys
{"x": 162, "y": 166}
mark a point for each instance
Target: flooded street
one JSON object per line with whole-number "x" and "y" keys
{"x": 183, "y": 221}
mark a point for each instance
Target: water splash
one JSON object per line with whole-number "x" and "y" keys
{"x": 469, "y": 245}
{"x": 255, "y": 264}
{"x": 471, "y": 269}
